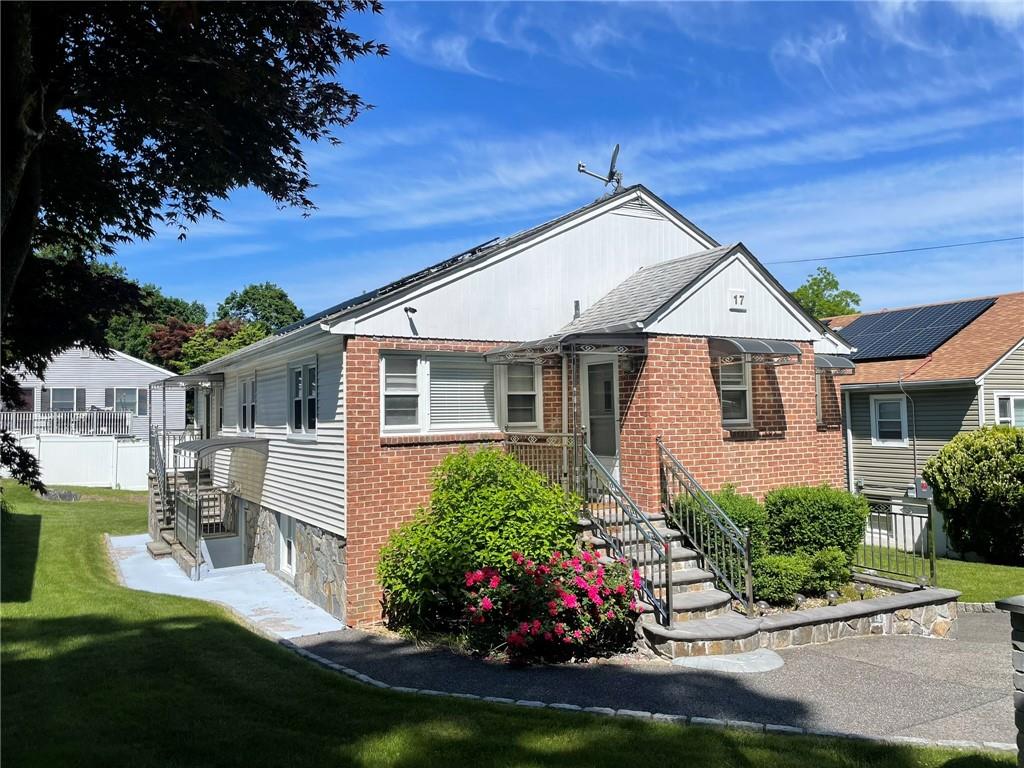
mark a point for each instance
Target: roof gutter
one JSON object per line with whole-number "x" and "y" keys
{"x": 938, "y": 383}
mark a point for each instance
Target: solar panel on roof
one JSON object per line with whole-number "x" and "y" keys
{"x": 910, "y": 332}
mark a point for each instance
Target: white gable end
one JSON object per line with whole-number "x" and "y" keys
{"x": 734, "y": 300}
{"x": 528, "y": 292}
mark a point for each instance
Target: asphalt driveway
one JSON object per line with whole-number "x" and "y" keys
{"x": 957, "y": 688}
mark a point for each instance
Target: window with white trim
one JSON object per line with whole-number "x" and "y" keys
{"x": 734, "y": 390}
{"x": 522, "y": 401}
{"x": 247, "y": 404}
{"x": 1009, "y": 408}
{"x": 302, "y": 398}
{"x": 287, "y": 544}
{"x": 437, "y": 393}
{"x": 889, "y": 420}
{"x": 62, "y": 399}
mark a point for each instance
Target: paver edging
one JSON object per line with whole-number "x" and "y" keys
{"x": 709, "y": 722}
{"x": 978, "y": 607}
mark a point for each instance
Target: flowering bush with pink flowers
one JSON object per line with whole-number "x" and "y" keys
{"x": 569, "y": 606}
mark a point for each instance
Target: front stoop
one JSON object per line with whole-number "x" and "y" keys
{"x": 925, "y": 612}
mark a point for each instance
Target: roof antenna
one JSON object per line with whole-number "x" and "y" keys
{"x": 613, "y": 175}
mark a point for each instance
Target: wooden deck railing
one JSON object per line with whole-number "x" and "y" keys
{"x": 67, "y": 422}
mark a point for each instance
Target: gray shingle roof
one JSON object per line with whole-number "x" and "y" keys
{"x": 641, "y": 294}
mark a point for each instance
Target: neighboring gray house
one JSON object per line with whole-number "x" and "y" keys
{"x": 925, "y": 374}
{"x": 84, "y": 393}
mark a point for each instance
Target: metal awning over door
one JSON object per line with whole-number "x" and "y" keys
{"x": 835, "y": 364}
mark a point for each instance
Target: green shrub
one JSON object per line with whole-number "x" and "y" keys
{"x": 978, "y": 480}
{"x": 829, "y": 569}
{"x": 484, "y": 506}
{"x": 744, "y": 511}
{"x": 810, "y": 519}
{"x": 778, "y": 577}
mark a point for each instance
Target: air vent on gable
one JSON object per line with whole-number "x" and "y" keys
{"x": 638, "y": 208}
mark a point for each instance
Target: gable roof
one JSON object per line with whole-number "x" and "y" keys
{"x": 459, "y": 261}
{"x": 968, "y": 354}
{"x": 644, "y": 292}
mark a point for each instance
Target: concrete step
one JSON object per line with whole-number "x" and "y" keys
{"x": 702, "y": 604}
{"x": 689, "y": 580}
{"x": 159, "y": 548}
{"x": 169, "y": 537}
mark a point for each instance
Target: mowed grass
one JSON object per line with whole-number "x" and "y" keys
{"x": 96, "y": 674}
{"x": 978, "y": 582}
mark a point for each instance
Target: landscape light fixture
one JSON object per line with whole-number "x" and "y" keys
{"x": 832, "y": 596}
{"x": 799, "y": 600}
{"x": 762, "y": 607}
{"x": 860, "y": 588}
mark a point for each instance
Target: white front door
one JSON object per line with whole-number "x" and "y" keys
{"x": 599, "y": 385}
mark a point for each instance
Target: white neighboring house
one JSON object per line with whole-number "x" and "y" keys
{"x": 89, "y": 415}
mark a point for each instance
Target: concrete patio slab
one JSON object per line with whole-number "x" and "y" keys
{"x": 260, "y": 597}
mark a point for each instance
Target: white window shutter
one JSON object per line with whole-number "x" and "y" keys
{"x": 461, "y": 393}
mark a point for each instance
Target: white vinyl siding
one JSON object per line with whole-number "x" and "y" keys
{"x": 95, "y": 378}
{"x": 301, "y": 477}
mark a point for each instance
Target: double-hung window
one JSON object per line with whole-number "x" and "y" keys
{"x": 889, "y": 420}
{"x": 62, "y": 399}
{"x": 127, "y": 400}
{"x": 302, "y": 398}
{"x": 734, "y": 390}
{"x": 1010, "y": 408}
{"x": 437, "y": 393}
{"x": 522, "y": 396}
{"x": 247, "y": 404}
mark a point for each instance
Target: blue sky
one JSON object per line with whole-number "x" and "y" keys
{"x": 805, "y": 130}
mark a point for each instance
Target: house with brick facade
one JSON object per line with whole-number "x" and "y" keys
{"x": 924, "y": 374}
{"x": 597, "y": 344}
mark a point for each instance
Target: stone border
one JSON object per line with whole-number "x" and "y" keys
{"x": 978, "y": 607}
{"x": 707, "y": 722}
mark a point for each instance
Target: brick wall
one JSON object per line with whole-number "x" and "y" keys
{"x": 389, "y": 476}
{"x": 674, "y": 393}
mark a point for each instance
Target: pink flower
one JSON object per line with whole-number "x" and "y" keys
{"x": 634, "y": 606}
{"x": 535, "y": 627}
{"x": 514, "y": 638}
{"x": 587, "y": 630}
{"x": 486, "y": 604}
{"x": 524, "y": 628}
{"x": 587, "y": 557}
{"x": 548, "y": 636}
{"x": 610, "y": 614}
{"x": 620, "y": 589}
{"x": 472, "y": 609}
{"x": 576, "y": 565}
{"x": 517, "y": 557}
{"x": 555, "y": 556}
{"x": 577, "y": 634}
{"x": 559, "y": 628}
{"x": 474, "y": 577}
{"x": 638, "y": 581}
{"x": 580, "y": 582}
{"x": 494, "y": 582}
{"x": 569, "y": 600}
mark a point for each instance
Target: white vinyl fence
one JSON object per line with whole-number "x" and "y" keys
{"x": 100, "y": 461}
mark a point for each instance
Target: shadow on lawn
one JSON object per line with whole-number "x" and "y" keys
{"x": 19, "y": 550}
{"x": 202, "y": 690}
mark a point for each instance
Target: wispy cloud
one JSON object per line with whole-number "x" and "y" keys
{"x": 1008, "y": 14}
{"x": 816, "y": 49}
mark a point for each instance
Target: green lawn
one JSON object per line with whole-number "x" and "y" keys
{"x": 95, "y": 674}
{"x": 979, "y": 582}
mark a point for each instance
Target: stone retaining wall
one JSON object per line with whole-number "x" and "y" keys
{"x": 816, "y": 625}
{"x": 320, "y": 558}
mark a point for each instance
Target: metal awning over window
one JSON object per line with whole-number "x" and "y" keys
{"x": 192, "y": 380}
{"x": 552, "y": 346}
{"x": 525, "y": 351}
{"x": 728, "y": 350}
{"x": 202, "y": 448}
{"x": 835, "y": 364}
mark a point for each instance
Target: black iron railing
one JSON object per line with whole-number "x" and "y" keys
{"x": 899, "y": 538}
{"x": 722, "y": 545}
{"x": 556, "y": 455}
{"x": 629, "y": 534}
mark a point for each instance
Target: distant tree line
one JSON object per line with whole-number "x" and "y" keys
{"x": 174, "y": 333}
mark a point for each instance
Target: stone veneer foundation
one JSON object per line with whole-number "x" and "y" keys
{"x": 320, "y": 558}
{"x": 927, "y": 613}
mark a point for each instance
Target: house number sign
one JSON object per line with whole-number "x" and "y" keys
{"x": 737, "y": 301}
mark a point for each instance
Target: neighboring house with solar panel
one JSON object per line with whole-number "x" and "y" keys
{"x": 620, "y": 326}
{"x": 925, "y": 374}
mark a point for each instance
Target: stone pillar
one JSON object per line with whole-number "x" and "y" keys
{"x": 1015, "y": 607}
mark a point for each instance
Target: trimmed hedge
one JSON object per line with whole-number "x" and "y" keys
{"x": 778, "y": 577}
{"x": 978, "y": 480}
{"x": 810, "y": 519}
{"x": 829, "y": 569}
{"x": 484, "y": 507}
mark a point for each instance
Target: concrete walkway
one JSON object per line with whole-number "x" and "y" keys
{"x": 260, "y": 597}
{"x": 953, "y": 689}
